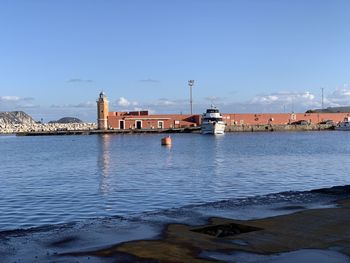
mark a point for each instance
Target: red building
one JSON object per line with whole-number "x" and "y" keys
{"x": 143, "y": 120}
{"x": 281, "y": 118}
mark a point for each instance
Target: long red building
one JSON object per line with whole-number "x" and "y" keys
{"x": 282, "y": 118}
{"x": 144, "y": 120}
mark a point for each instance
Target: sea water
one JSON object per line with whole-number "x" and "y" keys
{"x": 51, "y": 180}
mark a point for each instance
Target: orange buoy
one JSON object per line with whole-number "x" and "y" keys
{"x": 166, "y": 140}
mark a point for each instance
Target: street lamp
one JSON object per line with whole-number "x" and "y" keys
{"x": 190, "y": 84}
{"x": 322, "y": 89}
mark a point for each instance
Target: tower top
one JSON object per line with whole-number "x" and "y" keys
{"x": 102, "y": 95}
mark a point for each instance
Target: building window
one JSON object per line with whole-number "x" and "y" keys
{"x": 160, "y": 124}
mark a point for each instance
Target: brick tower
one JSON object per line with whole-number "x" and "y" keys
{"x": 102, "y": 112}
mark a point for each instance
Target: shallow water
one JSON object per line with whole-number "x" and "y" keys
{"x": 60, "y": 179}
{"x": 301, "y": 256}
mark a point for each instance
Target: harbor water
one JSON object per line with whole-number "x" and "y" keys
{"x": 52, "y": 180}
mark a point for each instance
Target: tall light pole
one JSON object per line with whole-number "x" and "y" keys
{"x": 190, "y": 84}
{"x": 322, "y": 98}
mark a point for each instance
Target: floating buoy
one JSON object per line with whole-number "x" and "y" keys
{"x": 166, "y": 140}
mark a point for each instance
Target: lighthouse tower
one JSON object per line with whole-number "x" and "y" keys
{"x": 102, "y": 112}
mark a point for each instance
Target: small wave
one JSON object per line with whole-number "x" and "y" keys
{"x": 260, "y": 206}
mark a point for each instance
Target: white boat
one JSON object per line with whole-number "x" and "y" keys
{"x": 344, "y": 125}
{"x": 212, "y": 122}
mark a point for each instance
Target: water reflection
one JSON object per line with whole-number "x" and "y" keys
{"x": 215, "y": 154}
{"x": 218, "y": 158}
{"x": 104, "y": 162}
{"x": 169, "y": 156}
{"x": 123, "y": 175}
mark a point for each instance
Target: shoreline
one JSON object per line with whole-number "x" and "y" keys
{"x": 320, "y": 233}
{"x": 229, "y": 129}
{"x": 290, "y": 226}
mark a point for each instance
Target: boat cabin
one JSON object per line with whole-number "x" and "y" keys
{"x": 347, "y": 119}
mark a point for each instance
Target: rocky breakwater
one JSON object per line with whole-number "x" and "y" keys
{"x": 20, "y": 122}
{"x": 50, "y": 127}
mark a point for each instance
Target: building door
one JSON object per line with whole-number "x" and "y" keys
{"x": 122, "y": 125}
{"x": 138, "y": 124}
{"x": 160, "y": 124}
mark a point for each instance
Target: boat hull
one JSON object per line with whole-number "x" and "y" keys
{"x": 342, "y": 128}
{"x": 344, "y": 125}
{"x": 213, "y": 128}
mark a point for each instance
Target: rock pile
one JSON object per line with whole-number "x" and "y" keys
{"x": 38, "y": 127}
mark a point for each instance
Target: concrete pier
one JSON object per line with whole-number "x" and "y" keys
{"x": 126, "y": 131}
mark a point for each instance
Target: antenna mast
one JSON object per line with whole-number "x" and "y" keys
{"x": 190, "y": 84}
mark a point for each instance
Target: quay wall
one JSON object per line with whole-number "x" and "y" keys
{"x": 281, "y": 118}
{"x": 281, "y": 128}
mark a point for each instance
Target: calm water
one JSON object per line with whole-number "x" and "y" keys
{"x": 50, "y": 180}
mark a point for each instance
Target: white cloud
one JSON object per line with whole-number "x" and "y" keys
{"x": 123, "y": 102}
{"x": 10, "y": 103}
{"x": 86, "y": 104}
{"x": 28, "y": 106}
{"x": 9, "y": 98}
{"x": 149, "y": 80}
{"x": 339, "y": 97}
{"x": 165, "y": 105}
{"x": 73, "y": 80}
{"x": 168, "y": 102}
{"x": 213, "y": 98}
{"x": 298, "y": 99}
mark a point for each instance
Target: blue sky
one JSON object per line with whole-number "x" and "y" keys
{"x": 244, "y": 55}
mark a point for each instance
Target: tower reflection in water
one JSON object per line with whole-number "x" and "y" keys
{"x": 104, "y": 162}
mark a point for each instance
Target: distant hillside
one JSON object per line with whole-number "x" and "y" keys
{"x": 67, "y": 120}
{"x": 330, "y": 110}
{"x": 15, "y": 117}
